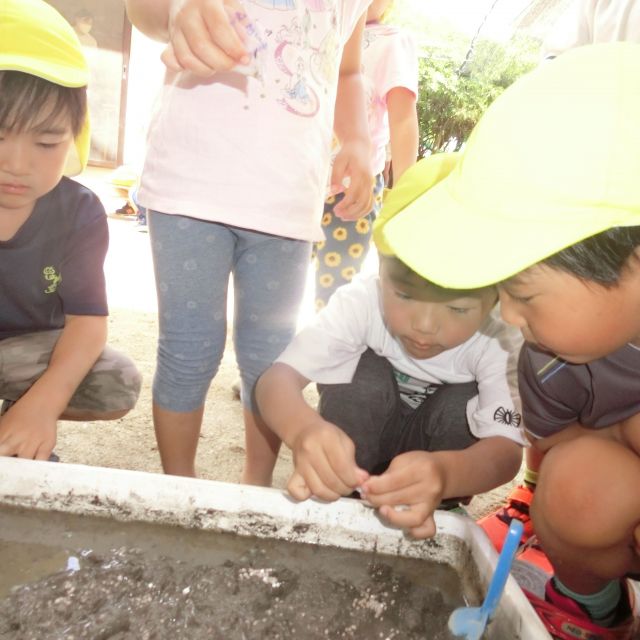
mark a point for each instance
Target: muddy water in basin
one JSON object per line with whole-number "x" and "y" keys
{"x": 73, "y": 577}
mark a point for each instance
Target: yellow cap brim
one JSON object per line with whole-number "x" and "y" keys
{"x": 418, "y": 179}
{"x": 462, "y": 247}
{"x": 65, "y": 76}
{"x": 79, "y": 153}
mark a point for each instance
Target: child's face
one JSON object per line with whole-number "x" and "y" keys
{"x": 576, "y": 320}
{"x": 32, "y": 162}
{"x": 427, "y": 320}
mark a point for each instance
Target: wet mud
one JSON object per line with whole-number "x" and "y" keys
{"x": 118, "y": 581}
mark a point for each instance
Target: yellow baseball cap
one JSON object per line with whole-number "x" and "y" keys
{"x": 36, "y": 39}
{"x": 419, "y": 178}
{"x": 554, "y": 160}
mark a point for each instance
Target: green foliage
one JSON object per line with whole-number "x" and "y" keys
{"x": 453, "y": 94}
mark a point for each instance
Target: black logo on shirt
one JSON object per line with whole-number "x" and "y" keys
{"x": 507, "y": 416}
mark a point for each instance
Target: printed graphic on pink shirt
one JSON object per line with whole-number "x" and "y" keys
{"x": 276, "y": 113}
{"x": 279, "y": 5}
{"x": 307, "y": 69}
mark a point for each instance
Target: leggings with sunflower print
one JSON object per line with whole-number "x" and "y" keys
{"x": 340, "y": 256}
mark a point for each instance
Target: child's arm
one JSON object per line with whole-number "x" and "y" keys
{"x": 352, "y": 130}
{"x": 421, "y": 480}
{"x": 323, "y": 455}
{"x": 28, "y": 429}
{"x": 403, "y": 128}
{"x": 203, "y": 36}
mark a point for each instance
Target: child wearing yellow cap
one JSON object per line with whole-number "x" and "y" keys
{"x": 54, "y": 362}
{"x": 417, "y": 392}
{"x": 545, "y": 203}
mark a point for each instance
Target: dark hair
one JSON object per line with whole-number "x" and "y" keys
{"x": 401, "y": 269}
{"x": 82, "y": 13}
{"x": 27, "y": 101}
{"x": 600, "y": 258}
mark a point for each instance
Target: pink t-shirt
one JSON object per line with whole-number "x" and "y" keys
{"x": 252, "y": 150}
{"x": 389, "y": 61}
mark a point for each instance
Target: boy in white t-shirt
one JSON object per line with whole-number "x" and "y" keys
{"x": 418, "y": 400}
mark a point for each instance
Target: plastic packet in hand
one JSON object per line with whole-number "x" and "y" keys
{"x": 255, "y": 43}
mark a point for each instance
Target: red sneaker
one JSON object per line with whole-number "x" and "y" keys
{"x": 496, "y": 524}
{"x": 565, "y": 619}
{"x": 531, "y": 568}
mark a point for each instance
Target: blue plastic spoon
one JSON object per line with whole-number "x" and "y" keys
{"x": 470, "y": 622}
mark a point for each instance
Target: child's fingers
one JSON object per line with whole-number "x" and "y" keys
{"x": 325, "y": 483}
{"x": 203, "y": 61}
{"x": 297, "y": 487}
{"x": 426, "y": 530}
{"x": 204, "y": 40}
{"x": 357, "y": 201}
{"x": 416, "y": 517}
{"x": 339, "y": 168}
{"x": 390, "y": 487}
{"x": 169, "y": 59}
{"x": 42, "y": 453}
{"x": 6, "y": 449}
{"x": 8, "y": 444}
{"x": 233, "y": 42}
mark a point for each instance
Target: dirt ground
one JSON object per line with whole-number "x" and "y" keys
{"x": 129, "y": 443}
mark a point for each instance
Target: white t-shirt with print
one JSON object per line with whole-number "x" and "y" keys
{"x": 329, "y": 348}
{"x": 252, "y": 150}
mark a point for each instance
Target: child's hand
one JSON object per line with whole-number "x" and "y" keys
{"x": 26, "y": 433}
{"x": 325, "y": 465}
{"x": 353, "y": 166}
{"x": 206, "y": 36}
{"x": 414, "y": 483}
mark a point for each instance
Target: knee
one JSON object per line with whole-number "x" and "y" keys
{"x": 189, "y": 363}
{"x": 584, "y": 494}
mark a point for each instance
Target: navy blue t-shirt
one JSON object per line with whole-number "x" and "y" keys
{"x": 53, "y": 265}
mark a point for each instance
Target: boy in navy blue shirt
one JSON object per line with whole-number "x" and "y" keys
{"x": 54, "y": 363}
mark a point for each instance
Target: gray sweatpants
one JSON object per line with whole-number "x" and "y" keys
{"x": 369, "y": 409}
{"x": 113, "y": 384}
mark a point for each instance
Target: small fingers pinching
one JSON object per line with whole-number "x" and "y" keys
{"x": 297, "y": 487}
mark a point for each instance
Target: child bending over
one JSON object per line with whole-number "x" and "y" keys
{"x": 417, "y": 392}
{"x": 547, "y": 191}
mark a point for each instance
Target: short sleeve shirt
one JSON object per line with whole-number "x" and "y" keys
{"x": 389, "y": 61}
{"x": 329, "y": 348}
{"x": 252, "y": 151}
{"x": 53, "y": 265}
{"x": 597, "y": 394}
